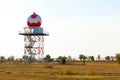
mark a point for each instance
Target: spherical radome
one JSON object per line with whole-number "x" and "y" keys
{"x": 34, "y": 20}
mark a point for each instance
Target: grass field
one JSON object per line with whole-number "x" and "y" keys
{"x": 51, "y": 71}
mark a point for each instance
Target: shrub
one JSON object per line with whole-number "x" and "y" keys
{"x": 49, "y": 66}
{"x": 62, "y": 60}
{"x": 8, "y": 72}
{"x": 69, "y": 72}
{"x": 91, "y": 72}
{"x": 66, "y": 72}
{"x": 107, "y": 58}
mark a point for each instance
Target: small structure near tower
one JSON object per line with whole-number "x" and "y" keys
{"x": 33, "y": 37}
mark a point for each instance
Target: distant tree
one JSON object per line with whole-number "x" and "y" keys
{"x": 112, "y": 58}
{"x": 107, "y": 58}
{"x": 81, "y": 56}
{"x": 84, "y": 57}
{"x": 118, "y": 57}
{"x": 11, "y": 58}
{"x": 30, "y": 59}
{"x": 62, "y": 60}
{"x": 69, "y": 58}
{"x": 99, "y": 57}
{"x": 2, "y": 58}
{"x": 47, "y": 58}
{"x": 91, "y": 58}
{"x": 25, "y": 57}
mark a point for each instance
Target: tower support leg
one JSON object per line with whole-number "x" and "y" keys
{"x": 34, "y": 45}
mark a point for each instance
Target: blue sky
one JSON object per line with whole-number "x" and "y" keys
{"x": 89, "y": 27}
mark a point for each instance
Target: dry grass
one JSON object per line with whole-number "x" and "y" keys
{"x": 73, "y": 71}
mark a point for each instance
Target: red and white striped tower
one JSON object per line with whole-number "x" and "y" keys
{"x": 34, "y": 36}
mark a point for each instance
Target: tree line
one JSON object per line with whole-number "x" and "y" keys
{"x": 63, "y": 59}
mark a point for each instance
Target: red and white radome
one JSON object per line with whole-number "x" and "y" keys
{"x": 34, "y": 20}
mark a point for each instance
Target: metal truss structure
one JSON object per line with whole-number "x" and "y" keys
{"x": 34, "y": 45}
